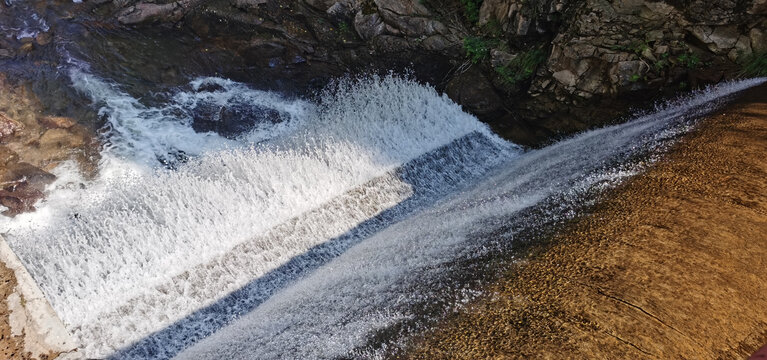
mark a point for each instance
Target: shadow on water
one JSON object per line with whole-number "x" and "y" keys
{"x": 431, "y": 176}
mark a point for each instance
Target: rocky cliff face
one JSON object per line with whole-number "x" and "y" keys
{"x": 532, "y": 69}
{"x": 608, "y": 50}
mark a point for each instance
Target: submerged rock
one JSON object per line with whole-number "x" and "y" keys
{"x": 22, "y": 185}
{"x": 232, "y": 120}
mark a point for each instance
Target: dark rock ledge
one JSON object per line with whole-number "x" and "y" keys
{"x": 534, "y": 70}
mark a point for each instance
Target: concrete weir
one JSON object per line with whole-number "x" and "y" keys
{"x": 30, "y": 314}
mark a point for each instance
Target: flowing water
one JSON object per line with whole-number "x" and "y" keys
{"x": 298, "y": 228}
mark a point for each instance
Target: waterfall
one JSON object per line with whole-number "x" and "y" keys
{"x": 177, "y": 219}
{"x": 298, "y": 228}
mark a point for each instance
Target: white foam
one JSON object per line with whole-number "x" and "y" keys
{"x": 337, "y": 309}
{"x": 95, "y": 247}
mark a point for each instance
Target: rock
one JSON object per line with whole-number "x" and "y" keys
{"x": 402, "y": 7}
{"x": 647, "y": 54}
{"x": 719, "y": 39}
{"x": 8, "y": 126}
{"x": 234, "y": 119}
{"x": 7, "y": 156}
{"x": 654, "y": 35}
{"x": 437, "y": 43}
{"x": 210, "y": 87}
{"x": 369, "y": 26}
{"x": 248, "y": 4}
{"x": 519, "y": 17}
{"x": 474, "y": 92}
{"x": 56, "y": 122}
{"x": 27, "y": 48}
{"x": 321, "y": 5}
{"x": 388, "y": 44}
{"x": 758, "y": 8}
{"x": 626, "y": 74}
{"x": 566, "y": 78}
{"x": 145, "y": 12}
{"x": 60, "y": 139}
{"x": 725, "y": 37}
{"x": 19, "y": 198}
{"x": 342, "y": 10}
{"x": 742, "y": 49}
{"x": 19, "y": 172}
{"x": 417, "y": 27}
{"x": 264, "y": 52}
{"x": 43, "y": 39}
{"x": 499, "y": 58}
{"x": 758, "y": 40}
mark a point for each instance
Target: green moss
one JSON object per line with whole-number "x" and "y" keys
{"x": 754, "y": 65}
{"x": 522, "y": 67}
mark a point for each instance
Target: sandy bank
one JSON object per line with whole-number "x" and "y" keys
{"x": 673, "y": 265}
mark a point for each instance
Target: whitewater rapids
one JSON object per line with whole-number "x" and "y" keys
{"x": 310, "y": 232}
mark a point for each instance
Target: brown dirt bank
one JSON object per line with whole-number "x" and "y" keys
{"x": 672, "y": 265}
{"x": 11, "y": 347}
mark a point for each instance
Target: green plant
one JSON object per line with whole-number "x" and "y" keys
{"x": 754, "y": 65}
{"x": 343, "y": 27}
{"x": 521, "y": 67}
{"x": 471, "y": 9}
{"x": 477, "y": 49}
{"x": 662, "y": 63}
{"x": 635, "y": 78}
{"x": 689, "y": 60}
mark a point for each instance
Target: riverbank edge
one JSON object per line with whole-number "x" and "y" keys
{"x": 30, "y": 326}
{"x": 671, "y": 265}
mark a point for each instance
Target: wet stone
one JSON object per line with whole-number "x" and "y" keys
{"x": 232, "y": 120}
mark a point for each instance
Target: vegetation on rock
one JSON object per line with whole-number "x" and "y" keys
{"x": 522, "y": 67}
{"x": 471, "y": 10}
{"x": 476, "y": 48}
{"x": 755, "y": 65}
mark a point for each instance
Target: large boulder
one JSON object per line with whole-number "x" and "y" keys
{"x": 474, "y": 92}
